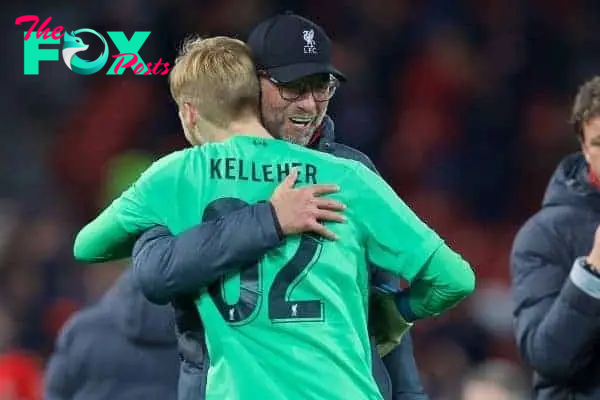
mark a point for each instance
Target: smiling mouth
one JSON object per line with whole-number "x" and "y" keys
{"x": 301, "y": 121}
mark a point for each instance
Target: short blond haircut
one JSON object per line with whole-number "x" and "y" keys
{"x": 218, "y": 77}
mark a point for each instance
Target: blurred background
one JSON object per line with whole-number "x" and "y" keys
{"x": 462, "y": 105}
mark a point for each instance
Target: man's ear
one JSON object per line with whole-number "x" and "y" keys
{"x": 189, "y": 115}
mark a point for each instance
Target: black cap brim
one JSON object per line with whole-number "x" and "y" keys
{"x": 293, "y": 72}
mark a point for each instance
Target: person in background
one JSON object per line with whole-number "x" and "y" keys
{"x": 555, "y": 268}
{"x": 123, "y": 347}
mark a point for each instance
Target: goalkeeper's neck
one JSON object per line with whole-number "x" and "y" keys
{"x": 249, "y": 126}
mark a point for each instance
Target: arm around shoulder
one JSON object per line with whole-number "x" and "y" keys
{"x": 166, "y": 265}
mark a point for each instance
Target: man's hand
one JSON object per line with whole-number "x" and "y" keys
{"x": 593, "y": 259}
{"x": 302, "y": 210}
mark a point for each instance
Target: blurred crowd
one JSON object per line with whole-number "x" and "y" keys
{"x": 461, "y": 104}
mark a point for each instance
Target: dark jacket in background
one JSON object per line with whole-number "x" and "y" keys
{"x": 556, "y": 300}
{"x": 122, "y": 348}
{"x": 170, "y": 267}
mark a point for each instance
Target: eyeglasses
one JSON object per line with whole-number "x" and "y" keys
{"x": 322, "y": 87}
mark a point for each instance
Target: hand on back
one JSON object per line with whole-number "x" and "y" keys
{"x": 303, "y": 209}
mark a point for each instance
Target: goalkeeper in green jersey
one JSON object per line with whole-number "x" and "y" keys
{"x": 294, "y": 324}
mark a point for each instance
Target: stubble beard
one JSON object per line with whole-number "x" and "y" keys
{"x": 301, "y": 139}
{"x": 277, "y": 128}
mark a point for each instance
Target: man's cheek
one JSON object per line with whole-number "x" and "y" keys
{"x": 275, "y": 125}
{"x": 322, "y": 112}
{"x": 320, "y": 118}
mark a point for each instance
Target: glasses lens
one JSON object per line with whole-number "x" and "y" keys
{"x": 291, "y": 91}
{"x": 322, "y": 87}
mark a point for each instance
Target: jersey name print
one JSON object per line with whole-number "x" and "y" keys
{"x": 231, "y": 168}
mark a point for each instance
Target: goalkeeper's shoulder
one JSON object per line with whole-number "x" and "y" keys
{"x": 168, "y": 164}
{"x": 344, "y": 151}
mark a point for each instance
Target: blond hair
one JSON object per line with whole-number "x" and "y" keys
{"x": 218, "y": 77}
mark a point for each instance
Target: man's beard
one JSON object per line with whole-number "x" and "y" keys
{"x": 278, "y": 129}
{"x": 302, "y": 140}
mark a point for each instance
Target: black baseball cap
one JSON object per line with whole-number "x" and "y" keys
{"x": 289, "y": 47}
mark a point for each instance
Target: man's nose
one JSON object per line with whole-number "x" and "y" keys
{"x": 307, "y": 102}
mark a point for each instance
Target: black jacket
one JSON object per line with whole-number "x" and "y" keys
{"x": 121, "y": 348}
{"x": 170, "y": 268}
{"x": 556, "y": 300}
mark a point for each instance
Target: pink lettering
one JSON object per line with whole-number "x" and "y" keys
{"x": 167, "y": 69}
{"x": 42, "y": 29}
{"x": 156, "y": 70}
{"x": 56, "y": 31}
{"x": 148, "y": 71}
{"x": 138, "y": 68}
{"x": 128, "y": 64}
{"x": 48, "y": 34}
{"x": 28, "y": 18}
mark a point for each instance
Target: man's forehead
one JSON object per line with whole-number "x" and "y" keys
{"x": 591, "y": 128}
{"x": 593, "y": 124}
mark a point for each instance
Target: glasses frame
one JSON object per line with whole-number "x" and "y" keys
{"x": 333, "y": 82}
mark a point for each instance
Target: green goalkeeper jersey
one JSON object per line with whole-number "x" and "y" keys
{"x": 294, "y": 324}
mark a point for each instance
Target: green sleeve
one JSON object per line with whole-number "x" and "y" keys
{"x": 445, "y": 280}
{"x": 103, "y": 239}
{"x": 113, "y": 233}
{"x": 395, "y": 238}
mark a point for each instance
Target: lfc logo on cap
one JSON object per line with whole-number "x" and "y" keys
{"x": 311, "y": 46}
